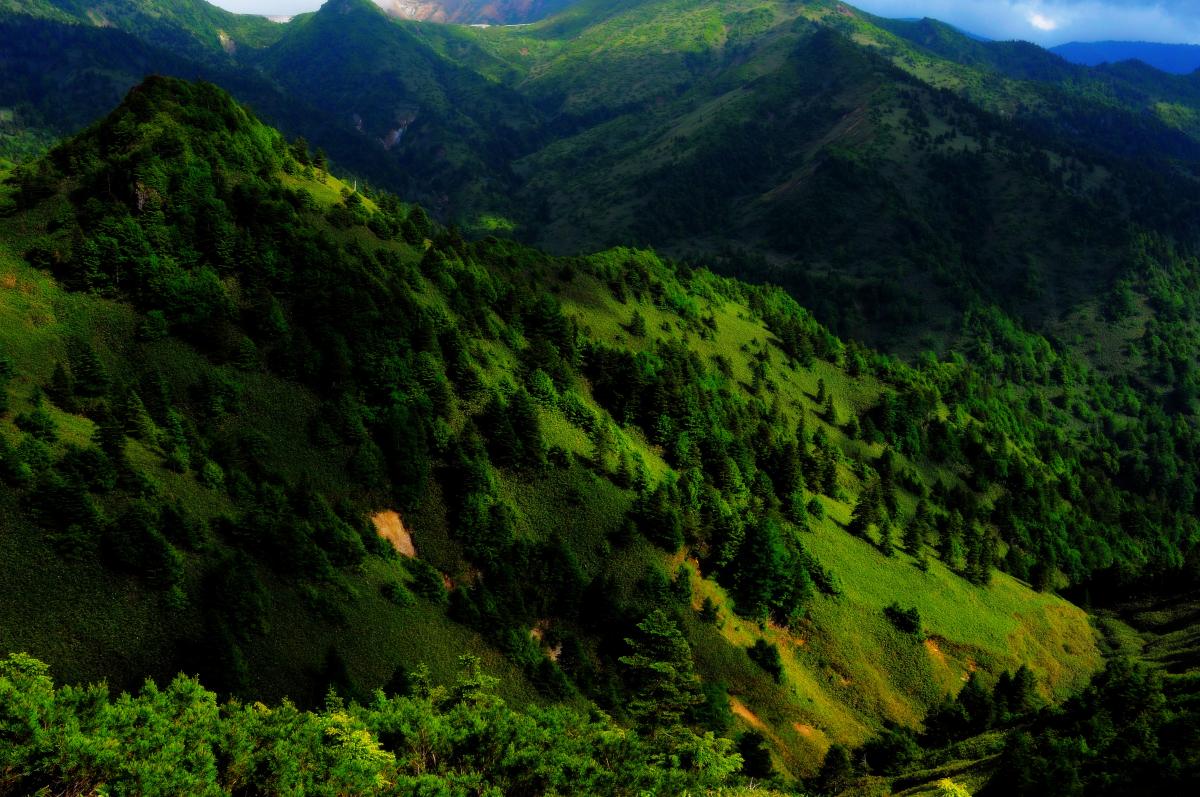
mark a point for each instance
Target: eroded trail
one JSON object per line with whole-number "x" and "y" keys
{"x": 390, "y": 526}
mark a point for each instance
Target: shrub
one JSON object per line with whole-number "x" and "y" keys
{"x": 766, "y": 655}
{"x": 906, "y": 620}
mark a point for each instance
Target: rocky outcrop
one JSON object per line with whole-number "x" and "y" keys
{"x": 492, "y": 12}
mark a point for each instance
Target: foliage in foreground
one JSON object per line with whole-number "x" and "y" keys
{"x": 437, "y": 740}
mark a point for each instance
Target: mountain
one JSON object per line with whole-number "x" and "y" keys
{"x": 838, "y": 147}
{"x": 192, "y": 27}
{"x": 1017, "y": 229}
{"x": 491, "y": 12}
{"x": 284, "y": 431}
{"x": 1178, "y": 59}
{"x": 263, "y": 428}
{"x": 421, "y": 123}
{"x": 892, "y": 179}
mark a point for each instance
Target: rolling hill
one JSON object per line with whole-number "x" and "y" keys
{"x": 221, "y": 362}
{"x": 901, "y": 169}
{"x": 265, "y": 421}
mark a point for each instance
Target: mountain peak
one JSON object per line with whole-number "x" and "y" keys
{"x": 163, "y": 120}
{"x": 350, "y": 6}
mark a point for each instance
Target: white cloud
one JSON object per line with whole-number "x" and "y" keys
{"x": 1042, "y": 22}
{"x": 268, "y": 6}
{"x": 1047, "y": 22}
{"x": 1052, "y": 22}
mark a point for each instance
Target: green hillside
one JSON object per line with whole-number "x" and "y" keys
{"x": 899, "y": 171}
{"x": 424, "y": 126}
{"x": 221, "y": 363}
{"x": 893, "y": 174}
{"x": 193, "y": 26}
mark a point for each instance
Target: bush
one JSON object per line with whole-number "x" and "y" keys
{"x": 399, "y": 594}
{"x": 906, "y": 620}
{"x": 766, "y": 655}
{"x": 427, "y": 581}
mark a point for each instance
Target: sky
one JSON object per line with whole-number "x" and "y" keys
{"x": 1050, "y": 22}
{"x": 268, "y": 7}
{"x": 1047, "y": 22}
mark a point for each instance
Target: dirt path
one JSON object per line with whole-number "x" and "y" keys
{"x": 389, "y": 526}
{"x": 750, "y": 718}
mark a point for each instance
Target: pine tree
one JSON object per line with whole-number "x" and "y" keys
{"x": 916, "y": 532}
{"x": 61, "y": 389}
{"x": 528, "y": 426}
{"x": 134, "y": 418}
{"x": 637, "y": 325}
{"x": 660, "y": 674}
{"x": 978, "y": 704}
{"x": 866, "y": 512}
{"x": 90, "y": 376}
{"x": 950, "y": 545}
{"x": 887, "y": 538}
{"x": 887, "y": 480}
{"x": 756, "y": 758}
{"x": 837, "y": 770}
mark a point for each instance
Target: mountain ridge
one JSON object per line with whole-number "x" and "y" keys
{"x": 197, "y": 27}
{"x": 228, "y": 374}
{"x": 258, "y": 339}
{"x": 1178, "y": 59}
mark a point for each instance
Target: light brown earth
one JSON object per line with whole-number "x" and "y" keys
{"x": 389, "y": 526}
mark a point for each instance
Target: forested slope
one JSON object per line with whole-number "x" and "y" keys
{"x": 221, "y": 362}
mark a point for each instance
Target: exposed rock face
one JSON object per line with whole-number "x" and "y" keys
{"x": 493, "y": 12}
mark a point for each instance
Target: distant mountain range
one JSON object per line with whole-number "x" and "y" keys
{"x": 1178, "y": 59}
{"x": 494, "y": 12}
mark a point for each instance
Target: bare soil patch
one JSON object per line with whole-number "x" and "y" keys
{"x": 389, "y": 526}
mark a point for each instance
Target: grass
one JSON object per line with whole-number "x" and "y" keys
{"x": 845, "y": 668}
{"x": 325, "y": 188}
{"x": 93, "y": 624}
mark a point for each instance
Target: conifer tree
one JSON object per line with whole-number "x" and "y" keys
{"x": 866, "y": 512}
{"x": 887, "y": 538}
{"x": 660, "y": 674}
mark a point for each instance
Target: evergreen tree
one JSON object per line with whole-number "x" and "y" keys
{"x": 837, "y": 771}
{"x": 91, "y": 379}
{"x": 766, "y": 655}
{"x": 866, "y": 512}
{"x": 887, "y": 538}
{"x": 916, "y": 531}
{"x": 978, "y": 704}
{"x": 770, "y": 580}
{"x": 637, "y": 325}
{"x": 756, "y": 757}
{"x": 660, "y": 674}
{"x": 61, "y": 389}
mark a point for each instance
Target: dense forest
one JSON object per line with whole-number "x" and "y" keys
{"x": 441, "y": 372}
{"x": 435, "y": 511}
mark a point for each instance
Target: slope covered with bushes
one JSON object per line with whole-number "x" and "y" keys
{"x": 220, "y": 362}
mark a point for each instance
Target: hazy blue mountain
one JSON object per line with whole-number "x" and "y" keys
{"x": 1179, "y": 59}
